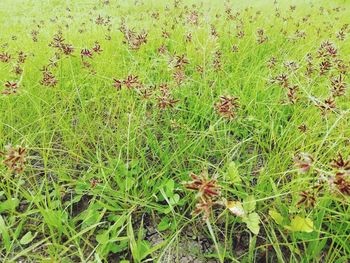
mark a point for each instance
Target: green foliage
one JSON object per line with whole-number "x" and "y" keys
{"x": 233, "y": 173}
{"x": 104, "y": 168}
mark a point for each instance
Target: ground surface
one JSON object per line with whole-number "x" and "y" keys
{"x": 174, "y": 131}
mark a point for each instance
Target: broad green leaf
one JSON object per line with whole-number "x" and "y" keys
{"x": 119, "y": 247}
{"x": 252, "y": 221}
{"x": 249, "y": 204}
{"x": 169, "y": 187}
{"x": 103, "y": 238}
{"x": 233, "y": 173}
{"x": 300, "y": 224}
{"x": 9, "y": 204}
{"x": 27, "y": 238}
{"x": 91, "y": 215}
{"x": 174, "y": 199}
{"x": 166, "y": 210}
{"x": 164, "y": 224}
{"x": 277, "y": 217}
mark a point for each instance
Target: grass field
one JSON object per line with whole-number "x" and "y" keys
{"x": 174, "y": 131}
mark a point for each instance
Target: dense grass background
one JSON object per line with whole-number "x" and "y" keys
{"x": 84, "y": 129}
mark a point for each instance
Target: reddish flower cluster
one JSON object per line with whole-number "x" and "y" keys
{"x": 302, "y": 128}
{"x": 58, "y": 43}
{"x": 342, "y": 165}
{"x": 15, "y": 158}
{"x": 217, "y": 60}
{"x": 162, "y": 49}
{"x": 176, "y": 63}
{"x": 94, "y": 182}
{"x": 179, "y": 76}
{"x": 21, "y": 58}
{"x": 327, "y": 50}
{"x": 342, "y": 174}
{"x": 342, "y": 183}
{"x": 34, "y": 34}
{"x": 103, "y": 21}
{"x": 261, "y": 37}
{"x": 227, "y": 106}
{"x": 206, "y": 191}
{"x": 309, "y": 197}
{"x": 338, "y": 86}
{"x": 86, "y": 53}
{"x": 303, "y": 162}
{"x": 271, "y": 63}
{"x": 130, "y": 82}
{"x": 339, "y": 182}
{"x": 133, "y": 39}
{"x": 181, "y": 61}
{"x": 10, "y": 88}
{"x": 5, "y": 57}
{"x": 165, "y": 99}
{"x": 281, "y": 80}
{"x": 327, "y": 106}
{"x": 48, "y": 79}
{"x": 292, "y": 94}
{"x": 327, "y": 63}
{"x": 97, "y": 48}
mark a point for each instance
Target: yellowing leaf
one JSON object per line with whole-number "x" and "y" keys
{"x": 277, "y": 217}
{"x": 235, "y": 208}
{"x": 299, "y": 224}
{"x": 252, "y": 221}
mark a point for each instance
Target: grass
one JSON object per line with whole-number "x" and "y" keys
{"x": 105, "y": 166}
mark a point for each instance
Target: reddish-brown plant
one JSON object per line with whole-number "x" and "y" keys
{"x": 227, "y": 106}
{"x": 303, "y": 162}
{"x": 15, "y": 158}
{"x": 207, "y": 190}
